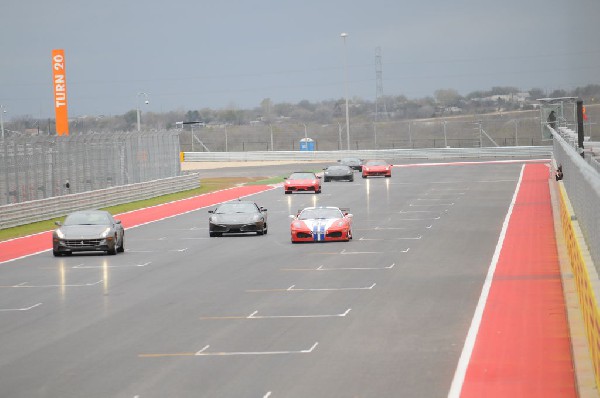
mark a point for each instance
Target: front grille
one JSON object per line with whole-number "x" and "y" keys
{"x": 304, "y": 235}
{"x": 335, "y": 234}
{"x": 82, "y": 242}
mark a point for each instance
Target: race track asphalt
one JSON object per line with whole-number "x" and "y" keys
{"x": 180, "y": 314}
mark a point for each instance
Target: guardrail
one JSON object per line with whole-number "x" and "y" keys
{"x": 391, "y": 154}
{"x": 44, "y": 209}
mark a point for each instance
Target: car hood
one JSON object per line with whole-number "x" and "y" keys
{"x": 338, "y": 172}
{"x": 319, "y": 224}
{"x": 83, "y": 231}
{"x": 304, "y": 181}
{"x": 238, "y": 218}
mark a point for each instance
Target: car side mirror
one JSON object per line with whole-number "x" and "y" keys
{"x": 263, "y": 209}
{"x": 292, "y": 216}
{"x": 118, "y": 221}
{"x": 211, "y": 211}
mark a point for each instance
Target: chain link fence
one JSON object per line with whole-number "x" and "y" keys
{"x": 464, "y": 132}
{"x": 39, "y": 167}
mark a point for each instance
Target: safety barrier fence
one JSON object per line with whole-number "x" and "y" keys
{"x": 38, "y": 167}
{"x": 391, "y": 154}
{"x": 582, "y": 183}
{"x": 44, "y": 209}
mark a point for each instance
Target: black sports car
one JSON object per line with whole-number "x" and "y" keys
{"x": 354, "y": 163}
{"x": 339, "y": 172}
{"x": 237, "y": 217}
{"x": 88, "y": 231}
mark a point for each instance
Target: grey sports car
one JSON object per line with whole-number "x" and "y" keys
{"x": 338, "y": 172}
{"x": 237, "y": 217}
{"x": 88, "y": 231}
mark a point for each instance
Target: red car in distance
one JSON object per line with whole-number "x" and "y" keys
{"x": 302, "y": 181}
{"x": 376, "y": 168}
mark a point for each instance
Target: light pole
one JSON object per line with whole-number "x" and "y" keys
{"x": 305, "y": 132}
{"x": 138, "y": 108}
{"x": 271, "y": 129}
{"x": 344, "y": 35}
{"x": 2, "y": 112}
{"x": 445, "y": 139}
{"x": 516, "y": 132}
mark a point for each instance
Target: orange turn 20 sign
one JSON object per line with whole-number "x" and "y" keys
{"x": 59, "y": 82}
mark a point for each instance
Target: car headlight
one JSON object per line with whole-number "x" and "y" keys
{"x": 297, "y": 224}
{"x": 340, "y": 223}
{"x": 257, "y": 217}
{"x": 105, "y": 233}
{"x": 60, "y": 234}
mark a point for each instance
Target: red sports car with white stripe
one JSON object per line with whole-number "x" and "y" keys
{"x": 321, "y": 224}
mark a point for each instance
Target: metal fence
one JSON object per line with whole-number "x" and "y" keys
{"x": 526, "y": 152}
{"x": 456, "y": 132}
{"x": 45, "y": 209}
{"x": 581, "y": 179}
{"x": 39, "y": 167}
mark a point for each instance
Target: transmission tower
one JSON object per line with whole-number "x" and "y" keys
{"x": 379, "y": 101}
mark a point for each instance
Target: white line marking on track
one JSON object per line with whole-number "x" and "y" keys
{"x": 235, "y": 353}
{"x": 25, "y": 285}
{"x": 267, "y": 395}
{"x": 254, "y": 316}
{"x": 419, "y": 219}
{"x": 82, "y": 266}
{"x": 321, "y": 268}
{"x": 409, "y": 238}
{"x": 437, "y": 204}
{"x": 20, "y": 309}
{"x": 465, "y": 356}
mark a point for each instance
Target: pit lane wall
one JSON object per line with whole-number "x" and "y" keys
{"x": 579, "y": 200}
{"x": 586, "y": 278}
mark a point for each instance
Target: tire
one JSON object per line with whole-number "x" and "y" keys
{"x": 319, "y": 191}
{"x": 388, "y": 176}
{"x": 364, "y": 176}
{"x": 55, "y": 253}
{"x": 214, "y": 234}
{"x": 112, "y": 251}
{"x": 121, "y": 248}
{"x": 288, "y": 192}
{"x": 351, "y": 179}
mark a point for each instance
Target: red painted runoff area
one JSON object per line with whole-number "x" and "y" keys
{"x": 20, "y": 247}
{"x": 522, "y": 348}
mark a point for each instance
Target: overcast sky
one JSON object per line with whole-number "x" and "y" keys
{"x": 193, "y": 54}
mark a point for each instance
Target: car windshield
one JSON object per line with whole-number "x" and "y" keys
{"x": 302, "y": 176}
{"x": 233, "y": 208}
{"x": 87, "y": 219}
{"x": 337, "y": 168}
{"x": 376, "y": 163}
{"x": 308, "y": 214}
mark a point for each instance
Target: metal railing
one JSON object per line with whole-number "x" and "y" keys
{"x": 391, "y": 154}
{"x": 44, "y": 209}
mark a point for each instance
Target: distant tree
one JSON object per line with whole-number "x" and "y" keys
{"x": 558, "y": 93}
{"x": 536, "y": 93}
{"x": 448, "y": 97}
{"x": 192, "y": 116}
{"x": 130, "y": 119}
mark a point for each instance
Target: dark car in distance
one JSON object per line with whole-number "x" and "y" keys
{"x": 353, "y": 163}
{"x": 88, "y": 231}
{"x": 339, "y": 173}
{"x": 237, "y": 217}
